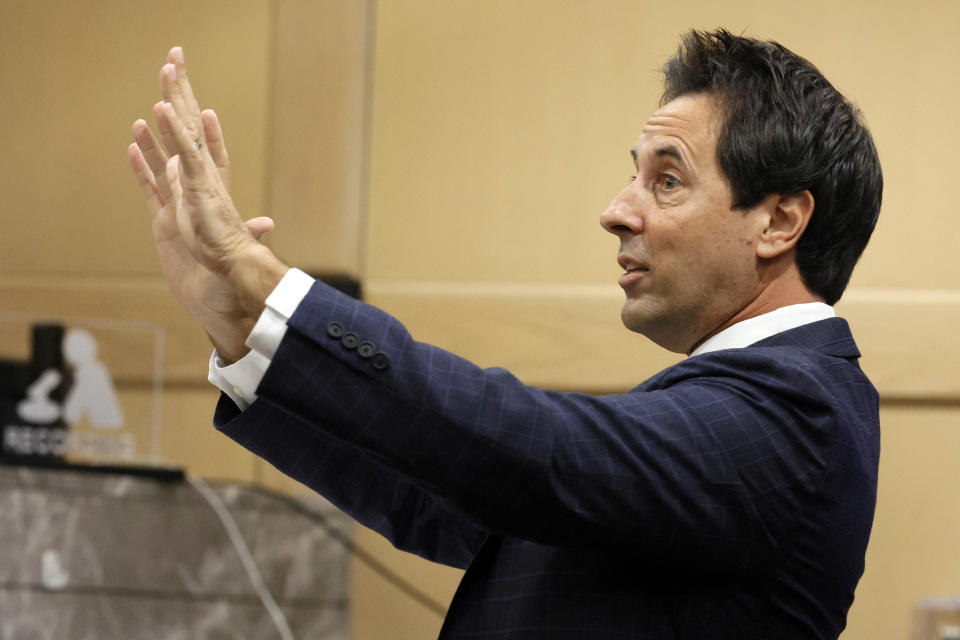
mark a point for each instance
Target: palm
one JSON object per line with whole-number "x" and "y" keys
{"x": 201, "y": 292}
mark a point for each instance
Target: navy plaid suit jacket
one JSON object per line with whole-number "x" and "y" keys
{"x": 729, "y": 496}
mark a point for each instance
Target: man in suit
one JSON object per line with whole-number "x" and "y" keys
{"x": 729, "y": 496}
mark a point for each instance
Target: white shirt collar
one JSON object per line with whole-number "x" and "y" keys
{"x": 754, "y": 329}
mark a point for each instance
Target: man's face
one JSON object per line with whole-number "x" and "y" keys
{"x": 689, "y": 260}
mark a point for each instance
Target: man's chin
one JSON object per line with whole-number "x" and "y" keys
{"x": 657, "y": 328}
{"x": 637, "y": 317}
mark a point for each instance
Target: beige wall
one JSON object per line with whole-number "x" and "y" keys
{"x": 456, "y": 155}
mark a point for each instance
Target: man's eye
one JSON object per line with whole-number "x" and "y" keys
{"x": 632, "y": 179}
{"x": 668, "y": 182}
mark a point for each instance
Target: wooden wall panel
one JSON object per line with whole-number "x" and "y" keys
{"x": 913, "y": 547}
{"x": 570, "y": 337}
{"x": 382, "y": 611}
{"x": 75, "y": 76}
{"x": 562, "y": 337}
{"x": 142, "y": 302}
{"x": 909, "y": 341}
{"x": 189, "y": 438}
{"x": 317, "y": 132}
{"x": 501, "y": 128}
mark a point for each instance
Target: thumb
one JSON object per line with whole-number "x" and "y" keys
{"x": 260, "y": 226}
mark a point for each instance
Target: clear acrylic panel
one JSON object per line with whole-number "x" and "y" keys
{"x": 80, "y": 389}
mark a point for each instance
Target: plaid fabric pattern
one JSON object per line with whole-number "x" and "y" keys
{"x": 729, "y": 496}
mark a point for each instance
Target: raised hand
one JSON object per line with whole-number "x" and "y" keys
{"x": 211, "y": 259}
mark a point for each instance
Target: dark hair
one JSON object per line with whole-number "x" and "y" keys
{"x": 786, "y": 129}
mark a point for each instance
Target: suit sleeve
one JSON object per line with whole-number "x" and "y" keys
{"x": 703, "y": 471}
{"x": 374, "y": 495}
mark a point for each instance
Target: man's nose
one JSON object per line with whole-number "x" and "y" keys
{"x": 622, "y": 216}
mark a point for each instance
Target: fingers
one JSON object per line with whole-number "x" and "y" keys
{"x": 203, "y": 130}
{"x": 164, "y": 127}
{"x": 173, "y": 95}
{"x": 152, "y": 152}
{"x": 214, "y": 136}
{"x": 145, "y": 178}
{"x": 184, "y": 93}
{"x": 182, "y": 143}
{"x": 154, "y": 156}
{"x": 215, "y": 146}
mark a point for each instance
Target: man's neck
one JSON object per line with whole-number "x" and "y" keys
{"x": 782, "y": 292}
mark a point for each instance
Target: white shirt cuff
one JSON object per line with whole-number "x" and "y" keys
{"x": 241, "y": 379}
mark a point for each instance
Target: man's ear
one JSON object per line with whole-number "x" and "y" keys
{"x": 788, "y": 216}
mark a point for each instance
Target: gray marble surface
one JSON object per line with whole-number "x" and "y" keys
{"x": 89, "y": 555}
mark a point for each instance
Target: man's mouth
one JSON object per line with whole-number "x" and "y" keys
{"x": 634, "y": 270}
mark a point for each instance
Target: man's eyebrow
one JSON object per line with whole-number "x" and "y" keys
{"x": 670, "y": 151}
